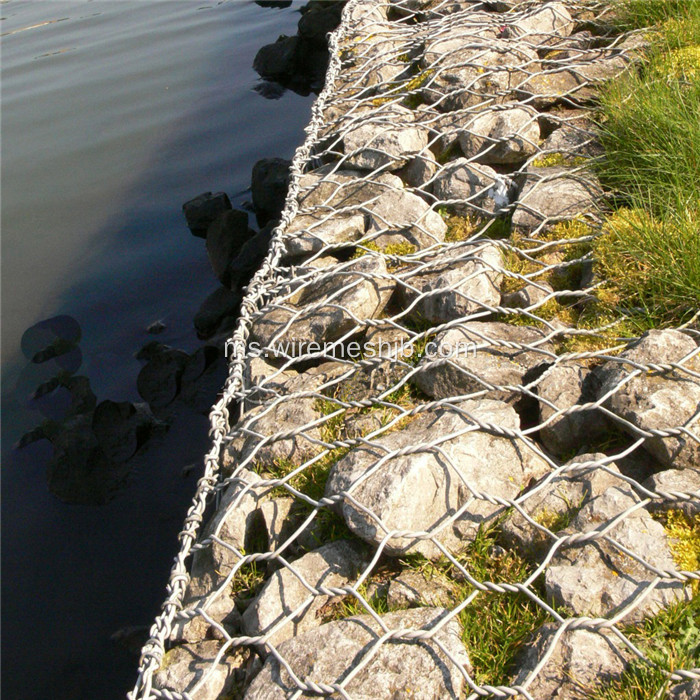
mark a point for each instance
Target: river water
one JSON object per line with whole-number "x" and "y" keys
{"x": 113, "y": 114}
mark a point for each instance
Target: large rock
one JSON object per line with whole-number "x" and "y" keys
{"x": 319, "y": 19}
{"x": 542, "y": 25}
{"x": 326, "y": 309}
{"x": 203, "y": 210}
{"x": 233, "y": 523}
{"x": 482, "y": 356}
{"x": 689, "y": 690}
{"x": 286, "y": 428}
{"x": 225, "y": 238}
{"x": 469, "y": 187}
{"x": 190, "y": 626}
{"x": 658, "y": 401}
{"x": 278, "y": 610}
{"x": 564, "y": 388}
{"x": 269, "y": 183}
{"x": 251, "y": 254}
{"x": 550, "y": 195}
{"x": 219, "y": 309}
{"x": 581, "y": 661}
{"x": 388, "y": 140}
{"x": 192, "y": 665}
{"x": 398, "y": 216}
{"x": 397, "y": 669}
{"x": 597, "y": 579}
{"x": 680, "y": 486}
{"x": 555, "y": 501}
{"x": 502, "y": 135}
{"x": 470, "y": 71}
{"x": 433, "y": 477}
{"x": 277, "y": 60}
{"x": 308, "y": 234}
{"x": 454, "y": 285}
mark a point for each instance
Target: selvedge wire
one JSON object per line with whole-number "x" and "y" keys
{"x": 360, "y": 254}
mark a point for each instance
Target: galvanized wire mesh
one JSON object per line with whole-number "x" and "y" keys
{"x": 422, "y": 356}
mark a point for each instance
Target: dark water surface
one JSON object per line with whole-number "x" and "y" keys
{"x": 113, "y": 114}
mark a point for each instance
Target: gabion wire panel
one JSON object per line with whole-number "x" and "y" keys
{"x": 430, "y": 406}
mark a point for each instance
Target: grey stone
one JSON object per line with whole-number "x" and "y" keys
{"x": 397, "y": 669}
{"x": 555, "y": 84}
{"x": 203, "y": 210}
{"x": 419, "y": 491}
{"x": 676, "y": 481}
{"x": 233, "y": 523}
{"x": 572, "y": 141}
{"x": 652, "y": 401}
{"x": 502, "y": 135}
{"x": 220, "y": 607}
{"x": 269, "y": 183}
{"x": 528, "y": 296}
{"x": 476, "y": 70}
{"x": 550, "y": 195}
{"x": 334, "y": 565}
{"x": 454, "y": 285}
{"x": 599, "y": 580}
{"x": 362, "y": 424}
{"x": 326, "y": 309}
{"x": 319, "y": 20}
{"x": 389, "y": 140}
{"x": 250, "y": 256}
{"x": 411, "y": 589}
{"x": 397, "y": 216}
{"x": 566, "y": 386}
{"x": 582, "y": 660}
{"x": 278, "y": 521}
{"x": 690, "y": 690}
{"x": 191, "y": 665}
{"x": 419, "y": 172}
{"x": 543, "y": 24}
{"x": 327, "y": 188}
{"x": 479, "y": 357}
{"x": 469, "y": 187}
{"x": 554, "y": 501}
{"x": 309, "y": 234}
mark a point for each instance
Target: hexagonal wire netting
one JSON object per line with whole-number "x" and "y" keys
{"x": 426, "y": 379}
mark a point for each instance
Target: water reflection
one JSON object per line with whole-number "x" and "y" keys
{"x": 93, "y": 443}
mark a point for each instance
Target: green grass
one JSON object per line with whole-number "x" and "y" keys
{"x": 650, "y": 251}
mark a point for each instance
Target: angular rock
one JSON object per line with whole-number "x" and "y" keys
{"x": 411, "y": 589}
{"x": 419, "y": 491}
{"x": 450, "y": 287}
{"x": 599, "y": 580}
{"x": 220, "y": 607}
{"x": 334, "y": 565}
{"x": 396, "y": 670}
{"x": 419, "y": 172}
{"x": 269, "y": 184}
{"x": 565, "y": 387}
{"x": 480, "y": 356}
{"x": 398, "y": 216}
{"x": 468, "y": 187}
{"x": 233, "y": 523}
{"x": 676, "y": 481}
{"x": 550, "y": 195}
{"x": 219, "y": 309}
{"x": 475, "y": 71}
{"x": 658, "y": 401}
{"x": 225, "y": 238}
{"x": 319, "y": 20}
{"x": 309, "y": 234}
{"x": 582, "y": 660}
{"x": 250, "y": 256}
{"x": 571, "y": 142}
{"x": 389, "y": 140}
{"x": 543, "y": 25}
{"x": 555, "y": 502}
{"x": 690, "y": 690}
{"x": 326, "y": 309}
{"x": 204, "y": 209}
{"x": 277, "y": 521}
{"x": 528, "y": 296}
{"x": 184, "y": 667}
{"x": 277, "y": 60}
{"x": 503, "y": 135}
